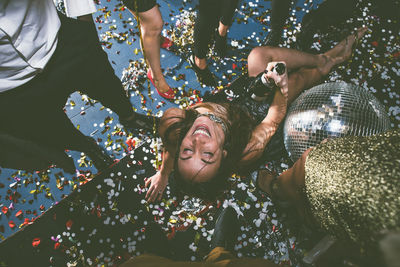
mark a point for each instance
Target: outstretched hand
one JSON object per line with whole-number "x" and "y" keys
{"x": 281, "y": 80}
{"x": 157, "y": 184}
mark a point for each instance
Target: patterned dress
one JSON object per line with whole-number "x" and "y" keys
{"x": 353, "y": 186}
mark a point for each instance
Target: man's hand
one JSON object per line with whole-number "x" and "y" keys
{"x": 157, "y": 184}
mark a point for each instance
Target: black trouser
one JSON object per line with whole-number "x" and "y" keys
{"x": 139, "y": 5}
{"x": 210, "y": 13}
{"x": 34, "y": 111}
{"x": 279, "y": 13}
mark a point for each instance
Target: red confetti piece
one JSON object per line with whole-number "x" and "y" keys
{"x": 11, "y": 224}
{"x": 68, "y": 224}
{"x": 172, "y": 234}
{"x": 41, "y": 207}
{"x": 36, "y": 242}
{"x": 56, "y": 245}
{"x": 19, "y": 213}
{"x": 375, "y": 43}
{"x": 4, "y": 209}
{"x": 234, "y": 66}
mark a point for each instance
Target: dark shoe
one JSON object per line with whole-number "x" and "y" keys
{"x": 226, "y": 229}
{"x": 140, "y": 121}
{"x": 274, "y": 38}
{"x": 98, "y": 155}
{"x": 220, "y": 45}
{"x": 273, "y": 186}
{"x": 204, "y": 76}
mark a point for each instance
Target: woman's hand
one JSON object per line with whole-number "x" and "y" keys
{"x": 277, "y": 110}
{"x": 157, "y": 183}
{"x": 280, "y": 79}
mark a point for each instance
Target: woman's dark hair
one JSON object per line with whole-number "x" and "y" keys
{"x": 240, "y": 125}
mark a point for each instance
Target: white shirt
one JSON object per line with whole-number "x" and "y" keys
{"x": 28, "y": 38}
{"x": 75, "y": 8}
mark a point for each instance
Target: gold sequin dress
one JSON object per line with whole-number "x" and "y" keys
{"x": 353, "y": 186}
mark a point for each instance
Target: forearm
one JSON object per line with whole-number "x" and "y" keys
{"x": 277, "y": 111}
{"x": 167, "y": 164}
{"x": 261, "y": 136}
{"x": 263, "y": 133}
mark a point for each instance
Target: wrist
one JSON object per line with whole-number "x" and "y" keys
{"x": 164, "y": 173}
{"x": 269, "y": 126}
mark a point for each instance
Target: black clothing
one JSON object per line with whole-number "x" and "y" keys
{"x": 139, "y": 5}
{"x": 210, "y": 13}
{"x": 237, "y": 93}
{"x": 34, "y": 111}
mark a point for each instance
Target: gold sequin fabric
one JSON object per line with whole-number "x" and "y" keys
{"x": 353, "y": 186}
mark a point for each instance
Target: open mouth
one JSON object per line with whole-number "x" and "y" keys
{"x": 203, "y": 130}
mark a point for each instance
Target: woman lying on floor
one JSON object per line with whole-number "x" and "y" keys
{"x": 206, "y": 143}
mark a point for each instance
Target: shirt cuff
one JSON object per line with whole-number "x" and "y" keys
{"x": 76, "y": 8}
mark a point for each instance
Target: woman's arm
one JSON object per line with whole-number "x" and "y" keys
{"x": 159, "y": 181}
{"x": 263, "y": 133}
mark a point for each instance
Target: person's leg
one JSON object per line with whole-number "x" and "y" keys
{"x": 227, "y": 8}
{"x": 151, "y": 25}
{"x": 307, "y": 69}
{"x": 206, "y": 22}
{"x": 88, "y": 70}
{"x": 259, "y": 57}
{"x": 63, "y": 129}
{"x": 279, "y": 14}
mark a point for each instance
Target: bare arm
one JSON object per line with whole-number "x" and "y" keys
{"x": 263, "y": 133}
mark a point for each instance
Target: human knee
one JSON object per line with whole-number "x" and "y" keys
{"x": 257, "y": 61}
{"x": 151, "y": 23}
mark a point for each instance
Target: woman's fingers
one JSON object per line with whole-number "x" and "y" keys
{"x": 153, "y": 196}
{"x": 278, "y": 72}
{"x": 154, "y": 193}
{"x": 149, "y": 192}
{"x": 270, "y": 66}
{"x": 160, "y": 195}
{"x": 147, "y": 181}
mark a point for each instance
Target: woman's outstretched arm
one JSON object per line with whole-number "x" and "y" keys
{"x": 263, "y": 133}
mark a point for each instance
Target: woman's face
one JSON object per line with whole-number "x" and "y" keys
{"x": 201, "y": 151}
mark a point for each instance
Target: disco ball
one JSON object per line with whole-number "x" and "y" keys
{"x": 332, "y": 110}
